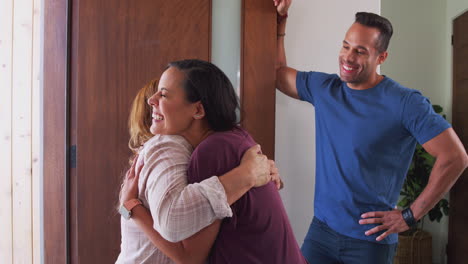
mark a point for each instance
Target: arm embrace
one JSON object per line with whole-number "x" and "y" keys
{"x": 179, "y": 210}
{"x": 173, "y": 192}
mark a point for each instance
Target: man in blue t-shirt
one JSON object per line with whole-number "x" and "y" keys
{"x": 367, "y": 127}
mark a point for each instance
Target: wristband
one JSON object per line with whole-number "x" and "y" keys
{"x": 280, "y": 18}
{"x": 126, "y": 208}
{"x": 408, "y": 217}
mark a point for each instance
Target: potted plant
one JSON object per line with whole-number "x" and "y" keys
{"x": 415, "y": 244}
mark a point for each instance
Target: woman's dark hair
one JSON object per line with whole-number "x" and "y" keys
{"x": 381, "y": 23}
{"x": 205, "y": 82}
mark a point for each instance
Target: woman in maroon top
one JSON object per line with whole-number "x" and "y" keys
{"x": 195, "y": 99}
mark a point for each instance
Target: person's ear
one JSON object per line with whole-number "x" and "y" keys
{"x": 200, "y": 111}
{"x": 382, "y": 57}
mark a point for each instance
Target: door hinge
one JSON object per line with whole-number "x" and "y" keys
{"x": 72, "y": 156}
{"x": 452, "y": 40}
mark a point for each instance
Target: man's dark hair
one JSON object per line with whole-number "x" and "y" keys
{"x": 381, "y": 23}
{"x": 205, "y": 82}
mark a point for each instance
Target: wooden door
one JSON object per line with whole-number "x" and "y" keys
{"x": 114, "y": 49}
{"x": 97, "y": 54}
{"x": 117, "y": 47}
{"x": 458, "y": 231}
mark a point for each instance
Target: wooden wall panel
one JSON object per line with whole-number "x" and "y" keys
{"x": 21, "y": 131}
{"x": 54, "y": 123}
{"x": 6, "y": 58}
{"x": 117, "y": 47}
{"x": 258, "y": 72}
{"x": 36, "y": 131}
{"x": 19, "y": 109}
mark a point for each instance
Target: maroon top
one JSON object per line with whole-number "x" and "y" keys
{"x": 259, "y": 230}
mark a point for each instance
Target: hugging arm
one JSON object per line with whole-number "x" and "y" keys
{"x": 195, "y": 248}
{"x": 180, "y": 209}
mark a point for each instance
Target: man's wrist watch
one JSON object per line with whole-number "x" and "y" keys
{"x": 126, "y": 208}
{"x": 408, "y": 217}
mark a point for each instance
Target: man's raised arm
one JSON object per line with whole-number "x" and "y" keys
{"x": 285, "y": 76}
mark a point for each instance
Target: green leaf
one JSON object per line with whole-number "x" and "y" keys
{"x": 443, "y": 202}
{"x": 417, "y": 187}
{"x": 446, "y": 210}
{"x": 435, "y": 215}
{"x": 429, "y": 159}
{"x": 404, "y": 202}
{"x": 437, "y": 108}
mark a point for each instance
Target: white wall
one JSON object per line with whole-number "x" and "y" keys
{"x": 420, "y": 51}
{"x": 314, "y": 34}
{"x": 417, "y": 50}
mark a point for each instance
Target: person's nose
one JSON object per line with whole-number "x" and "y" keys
{"x": 349, "y": 56}
{"x": 153, "y": 100}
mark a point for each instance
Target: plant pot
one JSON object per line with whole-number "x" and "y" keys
{"x": 414, "y": 248}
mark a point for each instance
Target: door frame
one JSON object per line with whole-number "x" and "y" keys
{"x": 55, "y": 134}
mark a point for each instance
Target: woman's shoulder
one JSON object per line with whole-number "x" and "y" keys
{"x": 236, "y": 136}
{"x": 234, "y": 141}
{"x": 169, "y": 142}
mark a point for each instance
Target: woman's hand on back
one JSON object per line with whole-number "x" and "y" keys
{"x": 275, "y": 177}
{"x": 130, "y": 185}
{"x": 256, "y": 166}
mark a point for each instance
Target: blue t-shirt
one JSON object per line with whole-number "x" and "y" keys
{"x": 365, "y": 140}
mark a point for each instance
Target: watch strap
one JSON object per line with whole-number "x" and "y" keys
{"x": 408, "y": 217}
{"x": 130, "y": 204}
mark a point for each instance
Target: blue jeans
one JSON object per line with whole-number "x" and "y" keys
{"x": 322, "y": 245}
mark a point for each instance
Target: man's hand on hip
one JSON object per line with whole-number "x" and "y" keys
{"x": 391, "y": 221}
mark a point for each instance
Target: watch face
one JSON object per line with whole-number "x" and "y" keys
{"x": 124, "y": 212}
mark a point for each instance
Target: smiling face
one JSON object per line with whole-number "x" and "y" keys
{"x": 172, "y": 114}
{"x": 359, "y": 57}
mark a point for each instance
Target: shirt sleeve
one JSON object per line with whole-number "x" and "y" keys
{"x": 420, "y": 119}
{"x": 180, "y": 210}
{"x": 310, "y": 84}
